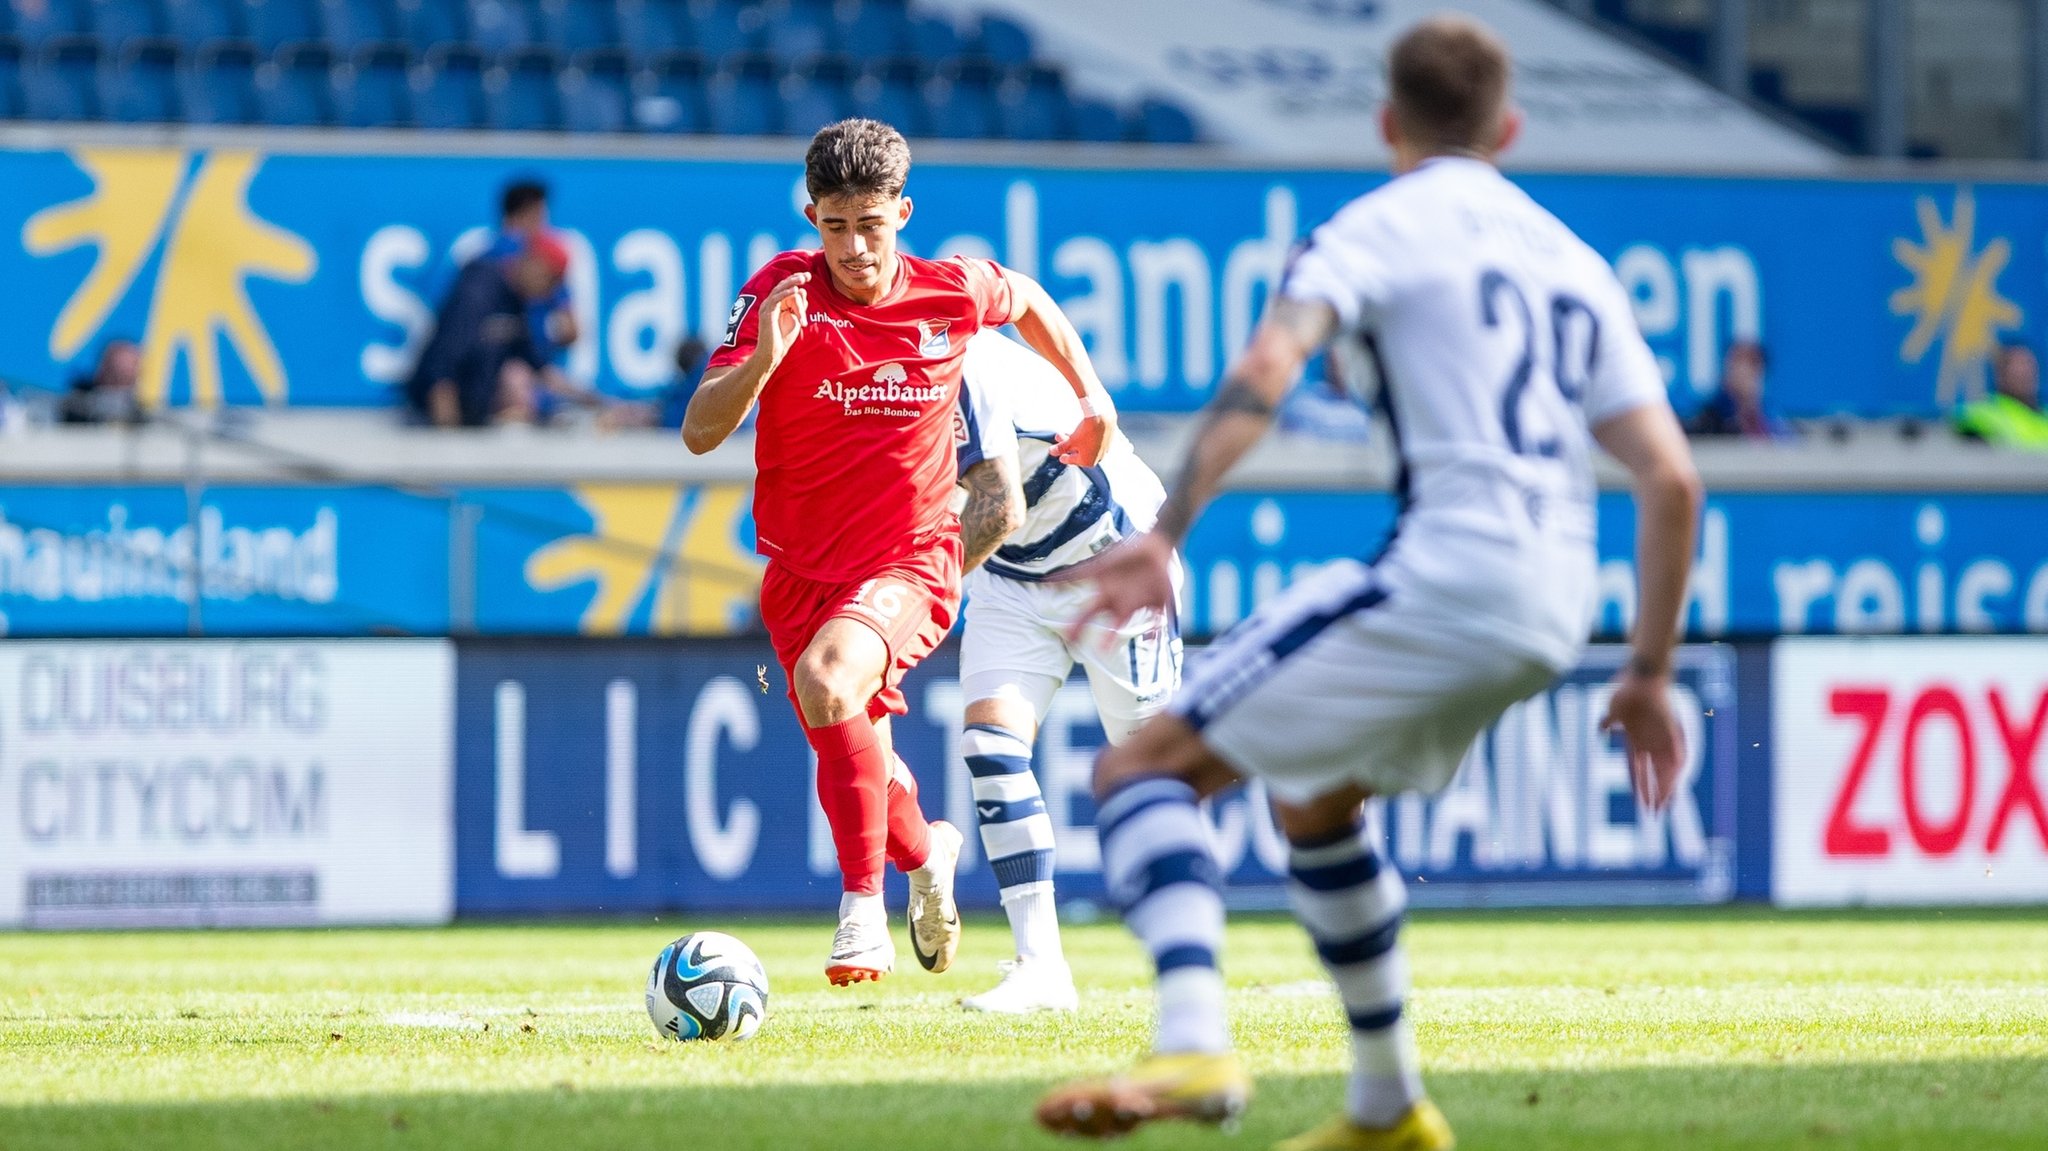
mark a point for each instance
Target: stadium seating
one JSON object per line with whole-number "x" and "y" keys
{"x": 738, "y": 67}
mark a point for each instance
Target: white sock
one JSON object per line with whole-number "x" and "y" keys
{"x": 1156, "y": 867}
{"x": 1191, "y": 1012}
{"x": 866, "y": 908}
{"x": 1034, "y": 922}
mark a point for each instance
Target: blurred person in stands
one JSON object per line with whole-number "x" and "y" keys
{"x": 667, "y": 407}
{"x": 479, "y": 367}
{"x": 1737, "y": 407}
{"x": 2011, "y": 415}
{"x": 522, "y": 214}
{"x": 107, "y": 394}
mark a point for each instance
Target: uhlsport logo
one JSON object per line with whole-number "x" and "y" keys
{"x": 890, "y": 394}
{"x": 1954, "y": 297}
{"x": 195, "y": 218}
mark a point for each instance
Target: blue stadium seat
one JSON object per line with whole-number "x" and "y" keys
{"x": 726, "y": 31}
{"x": 503, "y": 25}
{"x": 298, "y": 89}
{"x": 353, "y": 25}
{"x": 936, "y": 39}
{"x": 54, "y": 20}
{"x": 818, "y": 94}
{"x": 221, "y": 86}
{"x": 117, "y": 22}
{"x": 275, "y": 23}
{"x": 427, "y": 23}
{"x": 651, "y": 28}
{"x": 523, "y": 96}
{"x": 63, "y": 83}
{"x": 745, "y": 98}
{"x": 1035, "y": 105}
{"x": 671, "y": 95}
{"x": 10, "y": 79}
{"x": 1097, "y": 122}
{"x": 874, "y": 31}
{"x": 1162, "y": 122}
{"x": 199, "y": 21}
{"x": 449, "y": 90}
{"x": 893, "y": 92}
{"x": 143, "y": 87}
{"x": 377, "y": 90}
{"x": 963, "y": 106}
{"x": 801, "y": 34}
{"x": 575, "y": 28}
{"x": 1005, "y": 42}
{"x": 597, "y": 95}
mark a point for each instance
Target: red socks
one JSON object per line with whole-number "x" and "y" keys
{"x": 871, "y": 814}
{"x": 909, "y": 834}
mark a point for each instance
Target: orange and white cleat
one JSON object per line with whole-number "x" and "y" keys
{"x": 862, "y": 952}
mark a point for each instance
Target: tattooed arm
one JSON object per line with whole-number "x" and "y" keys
{"x": 1139, "y": 575}
{"x": 994, "y": 509}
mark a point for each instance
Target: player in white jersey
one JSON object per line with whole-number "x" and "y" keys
{"x": 1029, "y": 518}
{"x": 1504, "y": 348}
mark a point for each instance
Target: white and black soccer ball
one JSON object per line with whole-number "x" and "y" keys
{"x": 707, "y": 985}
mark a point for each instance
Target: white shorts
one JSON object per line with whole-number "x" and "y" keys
{"x": 1350, "y": 677}
{"x": 1015, "y": 646}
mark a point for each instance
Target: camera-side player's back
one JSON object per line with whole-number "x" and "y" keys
{"x": 1499, "y": 338}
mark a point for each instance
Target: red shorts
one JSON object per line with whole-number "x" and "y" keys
{"x": 911, "y": 604}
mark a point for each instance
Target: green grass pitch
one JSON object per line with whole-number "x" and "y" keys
{"x": 1708, "y": 1029}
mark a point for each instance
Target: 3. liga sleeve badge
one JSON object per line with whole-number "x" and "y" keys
{"x": 740, "y": 308}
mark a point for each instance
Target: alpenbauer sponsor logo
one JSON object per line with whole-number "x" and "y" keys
{"x": 891, "y": 386}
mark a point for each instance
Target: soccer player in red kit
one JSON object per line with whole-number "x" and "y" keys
{"x": 853, "y": 353}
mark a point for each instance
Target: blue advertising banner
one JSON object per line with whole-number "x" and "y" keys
{"x": 640, "y": 776}
{"x": 648, "y": 559}
{"x": 311, "y": 279}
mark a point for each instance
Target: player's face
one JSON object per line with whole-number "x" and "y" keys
{"x": 860, "y": 240}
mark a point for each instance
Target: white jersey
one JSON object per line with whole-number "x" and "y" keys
{"x": 1013, "y": 405}
{"x": 1499, "y": 339}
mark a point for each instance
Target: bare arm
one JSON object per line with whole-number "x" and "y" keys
{"x": 994, "y": 509}
{"x": 1049, "y": 333}
{"x": 1649, "y": 443}
{"x": 723, "y": 398}
{"x": 1139, "y": 574}
{"x": 1242, "y": 412}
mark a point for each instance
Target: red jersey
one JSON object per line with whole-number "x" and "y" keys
{"x": 854, "y": 444}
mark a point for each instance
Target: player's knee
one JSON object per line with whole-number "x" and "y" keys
{"x": 1322, "y": 818}
{"x": 1164, "y": 746}
{"x": 826, "y": 690}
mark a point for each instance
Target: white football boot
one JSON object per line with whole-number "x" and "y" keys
{"x": 934, "y": 917}
{"x": 861, "y": 951}
{"x": 1028, "y": 985}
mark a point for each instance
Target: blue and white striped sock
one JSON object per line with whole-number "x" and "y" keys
{"x": 1351, "y": 902}
{"x": 1157, "y": 868}
{"x": 1016, "y": 835}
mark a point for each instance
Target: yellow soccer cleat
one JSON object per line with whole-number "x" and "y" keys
{"x": 1423, "y": 1128}
{"x": 1203, "y": 1088}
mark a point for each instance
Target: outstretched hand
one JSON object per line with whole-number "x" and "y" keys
{"x": 1641, "y": 708}
{"x": 1129, "y": 578}
{"x": 1084, "y": 446}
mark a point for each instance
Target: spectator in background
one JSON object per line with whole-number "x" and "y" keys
{"x": 665, "y": 410}
{"x": 2011, "y": 415}
{"x": 107, "y": 396}
{"x": 1737, "y": 407}
{"x": 479, "y": 366}
{"x": 523, "y": 213}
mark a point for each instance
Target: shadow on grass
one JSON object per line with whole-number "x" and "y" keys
{"x": 1981, "y": 1105}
